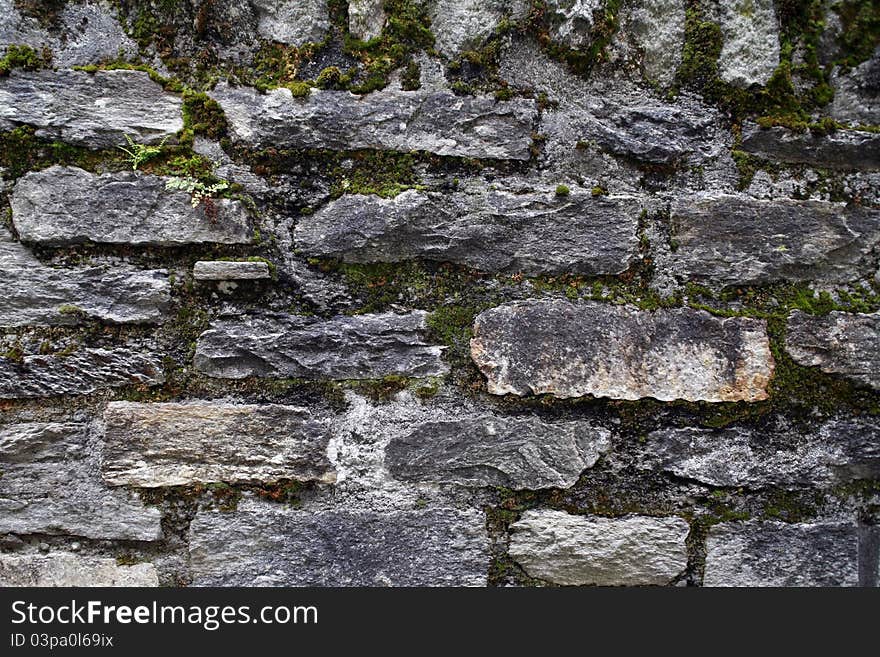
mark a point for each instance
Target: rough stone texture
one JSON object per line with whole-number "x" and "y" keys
{"x": 837, "y": 343}
{"x": 51, "y": 485}
{"x": 466, "y": 24}
{"x": 493, "y": 450}
{"x": 67, "y": 205}
{"x": 438, "y": 122}
{"x": 657, "y": 27}
{"x": 92, "y": 109}
{"x": 366, "y": 18}
{"x": 843, "y": 149}
{"x": 495, "y": 230}
{"x": 555, "y": 347}
{"x": 750, "y": 52}
{"x": 268, "y": 545}
{"x": 579, "y": 550}
{"x": 229, "y": 270}
{"x": 740, "y": 240}
{"x": 85, "y": 33}
{"x": 775, "y": 554}
{"x": 645, "y": 130}
{"x": 836, "y": 451}
{"x": 571, "y": 21}
{"x": 294, "y": 22}
{"x": 620, "y": 119}
{"x": 67, "y": 569}
{"x": 35, "y": 294}
{"x": 82, "y": 372}
{"x": 358, "y": 347}
{"x": 857, "y": 93}
{"x": 150, "y": 445}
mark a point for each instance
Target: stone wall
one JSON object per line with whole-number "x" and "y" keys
{"x": 422, "y": 292}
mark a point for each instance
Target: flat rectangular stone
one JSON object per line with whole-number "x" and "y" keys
{"x": 581, "y": 550}
{"x": 62, "y": 206}
{"x": 96, "y": 110}
{"x": 520, "y": 452}
{"x": 836, "y": 451}
{"x": 230, "y": 270}
{"x": 727, "y": 240}
{"x": 51, "y": 484}
{"x": 551, "y": 346}
{"x": 152, "y": 445}
{"x": 842, "y": 149}
{"x": 79, "y": 373}
{"x": 532, "y": 233}
{"x": 757, "y": 553}
{"x": 70, "y": 569}
{"x": 837, "y": 343}
{"x": 37, "y": 295}
{"x": 438, "y": 122}
{"x": 343, "y": 347}
{"x": 264, "y": 544}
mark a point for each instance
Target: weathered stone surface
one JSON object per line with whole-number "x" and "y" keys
{"x": 67, "y": 205}
{"x": 551, "y": 346}
{"x": 493, "y": 450}
{"x": 750, "y": 52}
{"x": 657, "y": 27}
{"x": 262, "y": 544}
{"x": 759, "y": 553}
{"x": 357, "y": 347}
{"x": 493, "y": 230}
{"x": 294, "y": 22}
{"x": 83, "y": 33}
{"x": 438, "y": 122}
{"x": 618, "y": 118}
{"x": 579, "y": 550}
{"x": 645, "y": 130}
{"x": 91, "y": 109}
{"x": 366, "y": 18}
{"x": 466, "y": 24}
{"x": 68, "y": 569}
{"x": 152, "y": 445}
{"x": 726, "y": 240}
{"x": 857, "y": 93}
{"x": 571, "y": 21}
{"x": 35, "y": 294}
{"x": 837, "y": 343}
{"x": 843, "y": 149}
{"x": 229, "y": 270}
{"x": 51, "y": 484}
{"x": 834, "y": 452}
{"x": 82, "y": 372}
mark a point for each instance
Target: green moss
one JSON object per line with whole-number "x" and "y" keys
{"x": 22, "y": 151}
{"x": 411, "y": 78}
{"x": 861, "y": 30}
{"x": 25, "y": 58}
{"x": 599, "y": 191}
{"x": 202, "y": 115}
{"x": 562, "y": 190}
{"x": 384, "y": 173}
{"x": 331, "y": 78}
{"x": 299, "y": 89}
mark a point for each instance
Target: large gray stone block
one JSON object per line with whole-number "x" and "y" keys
{"x": 175, "y": 444}
{"x": 551, "y": 346}
{"x": 533, "y": 233}
{"x": 51, "y": 484}
{"x": 262, "y": 544}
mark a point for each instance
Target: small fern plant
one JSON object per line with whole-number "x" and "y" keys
{"x": 137, "y": 153}
{"x": 199, "y": 192}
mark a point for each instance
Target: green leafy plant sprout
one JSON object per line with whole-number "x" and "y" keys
{"x": 198, "y": 190}
{"x": 140, "y": 153}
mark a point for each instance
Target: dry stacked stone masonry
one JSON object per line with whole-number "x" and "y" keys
{"x": 430, "y": 292}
